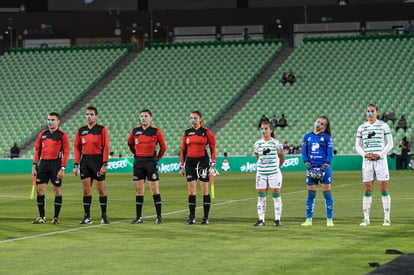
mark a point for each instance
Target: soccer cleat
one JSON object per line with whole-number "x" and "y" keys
{"x": 86, "y": 220}
{"x": 329, "y": 223}
{"x": 39, "y": 220}
{"x": 259, "y": 223}
{"x": 277, "y": 223}
{"x": 365, "y": 222}
{"x": 386, "y": 222}
{"x": 308, "y": 222}
{"x": 191, "y": 221}
{"x": 55, "y": 221}
{"x": 104, "y": 220}
{"x": 137, "y": 220}
{"x": 158, "y": 220}
{"x": 205, "y": 221}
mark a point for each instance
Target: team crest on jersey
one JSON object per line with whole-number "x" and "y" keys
{"x": 322, "y": 139}
{"x": 187, "y": 141}
{"x": 83, "y": 140}
{"x": 136, "y": 141}
{"x": 309, "y": 138}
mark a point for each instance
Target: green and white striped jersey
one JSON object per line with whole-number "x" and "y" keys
{"x": 373, "y": 136}
{"x": 268, "y": 162}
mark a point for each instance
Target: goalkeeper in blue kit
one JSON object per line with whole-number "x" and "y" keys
{"x": 317, "y": 153}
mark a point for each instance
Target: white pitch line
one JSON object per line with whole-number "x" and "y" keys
{"x": 117, "y": 222}
{"x": 164, "y": 214}
{"x": 99, "y": 225}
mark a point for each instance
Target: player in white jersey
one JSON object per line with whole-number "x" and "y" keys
{"x": 270, "y": 157}
{"x": 373, "y": 142}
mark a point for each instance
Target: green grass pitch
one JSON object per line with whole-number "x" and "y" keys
{"x": 230, "y": 244}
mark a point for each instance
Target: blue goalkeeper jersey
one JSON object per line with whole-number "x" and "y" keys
{"x": 317, "y": 149}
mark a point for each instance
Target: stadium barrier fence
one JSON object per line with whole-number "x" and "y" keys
{"x": 224, "y": 164}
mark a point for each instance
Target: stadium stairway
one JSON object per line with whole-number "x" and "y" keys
{"x": 88, "y": 94}
{"x": 255, "y": 85}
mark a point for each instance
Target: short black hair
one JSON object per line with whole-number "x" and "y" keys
{"x": 146, "y": 111}
{"x": 55, "y": 114}
{"x": 93, "y": 109}
{"x": 374, "y": 105}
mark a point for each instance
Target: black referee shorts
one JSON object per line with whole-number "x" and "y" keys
{"x": 90, "y": 166}
{"x": 197, "y": 169}
{"x": 146, "y": 168}
{"x": 48, "y": 170}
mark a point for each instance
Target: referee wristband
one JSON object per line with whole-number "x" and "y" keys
{"x": 62, "y": 168}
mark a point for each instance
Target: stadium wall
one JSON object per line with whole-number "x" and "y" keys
{"x": 172, "y": 164}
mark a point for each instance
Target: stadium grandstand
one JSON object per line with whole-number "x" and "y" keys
{"x": 334, "y": 77}
{"x": 231, "y": 78}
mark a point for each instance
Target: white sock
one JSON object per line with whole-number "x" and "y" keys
{"x": 366, "y": 206}
{"x": 261, "y": 207}
{"x": 277, "y": 202}
{"x": 386, "y": 204}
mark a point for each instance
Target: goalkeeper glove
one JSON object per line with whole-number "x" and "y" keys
{"x": 316, "y": 173}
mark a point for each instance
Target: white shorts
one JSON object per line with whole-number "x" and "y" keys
{"x": 266, "y": 181}
{"x": 377, "y": 169}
